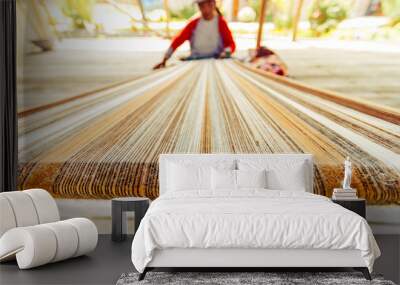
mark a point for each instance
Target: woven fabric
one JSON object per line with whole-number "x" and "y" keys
{"x": 107, "y": 144}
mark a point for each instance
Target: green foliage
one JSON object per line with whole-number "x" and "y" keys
{"x": 80, "y": 11}
{"x": 326, "y": 15}
{"x": 247, "y": 15}
{"x": 277, "y": 11}
{"x": 282, "y": 13}
{"x": 255, "y": 4}
{"x": 184, "y": 13}
{"x": 391, "y": 8}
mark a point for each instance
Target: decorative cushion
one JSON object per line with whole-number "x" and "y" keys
{"x": 251, "y": 178}
{"x": 188, "y": 178}
{"x": 236, "y": 179}
{"x": 281, "y": 174}
{"x": 223, "y": 179}
{"x": 200, "y": 169}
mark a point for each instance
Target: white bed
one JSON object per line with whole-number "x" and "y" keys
{"x": 249, "y": 227}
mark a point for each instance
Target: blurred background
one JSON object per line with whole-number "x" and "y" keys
{"x": 338, "y": 19}
{"x": 350, "y": 46}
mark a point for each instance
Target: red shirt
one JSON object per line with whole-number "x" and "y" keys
{"x": 187, "y": 32}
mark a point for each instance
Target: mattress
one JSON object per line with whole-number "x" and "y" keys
{"x": 251, "y": 218}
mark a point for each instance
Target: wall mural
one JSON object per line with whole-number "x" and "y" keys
{"x": 92, "y": 126}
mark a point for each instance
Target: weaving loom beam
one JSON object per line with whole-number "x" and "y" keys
{"x": 107, "y": 143}
{"x": 261, "y": 23}
{"x": 296, "y": 19}
{"x": 382, "y": 112}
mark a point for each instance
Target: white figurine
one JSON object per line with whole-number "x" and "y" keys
{"x": 347, "y": 174}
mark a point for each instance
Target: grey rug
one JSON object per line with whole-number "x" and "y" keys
{"x": 269, "y": 278}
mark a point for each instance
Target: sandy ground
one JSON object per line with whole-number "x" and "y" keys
{"x": 370, "y": 75}
{"x": 360, "y": 69}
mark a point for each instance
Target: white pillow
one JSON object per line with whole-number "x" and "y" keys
{"x": 251, "y": 178}
{"x": 181, "y": 177}
{"x": 287, "y": 174}
{"x": 294, "y": 180}
{"x": 223, "y": 179}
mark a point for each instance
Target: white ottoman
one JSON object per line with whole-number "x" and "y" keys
{"x": 32, "y": 233}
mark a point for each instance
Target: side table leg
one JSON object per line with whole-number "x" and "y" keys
{"x": 117, "y": 217}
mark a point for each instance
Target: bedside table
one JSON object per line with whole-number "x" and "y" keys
{"x": 356, "y": 205}
{"x": 119, "y": 207}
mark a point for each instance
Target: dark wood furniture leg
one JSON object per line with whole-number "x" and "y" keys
{"x": 143, "y": 274}
{"x": 364, "y": 271}
{"x": 116, "y": 221}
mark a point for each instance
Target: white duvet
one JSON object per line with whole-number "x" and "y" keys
{"x": 250, "y": 219}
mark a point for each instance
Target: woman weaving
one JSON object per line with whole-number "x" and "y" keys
{"x": 209, "y": 35}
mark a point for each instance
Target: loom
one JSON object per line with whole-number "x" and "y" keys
{"x": 106, "y": 143}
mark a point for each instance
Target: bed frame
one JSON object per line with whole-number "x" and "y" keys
{"x": 242, "y": 259}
